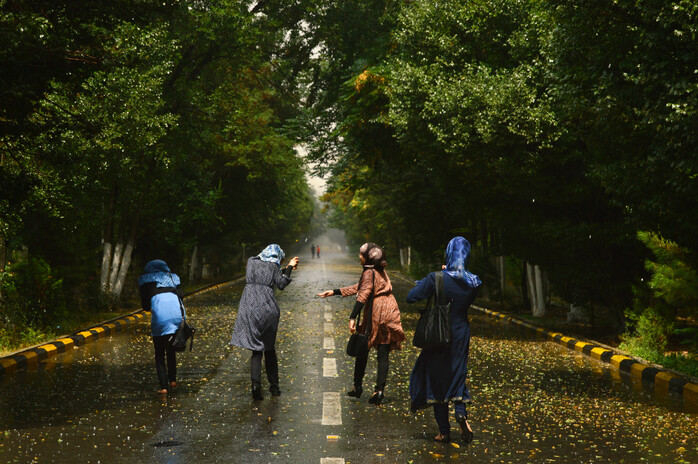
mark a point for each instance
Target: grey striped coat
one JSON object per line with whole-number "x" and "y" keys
{"x": 258, "y": 314}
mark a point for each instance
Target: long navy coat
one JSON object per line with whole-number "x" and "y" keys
{"x": 439, "y": 375}
{"x": 258, "y": 314}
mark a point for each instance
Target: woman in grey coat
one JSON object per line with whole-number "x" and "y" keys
{"x": 258, "y": 315}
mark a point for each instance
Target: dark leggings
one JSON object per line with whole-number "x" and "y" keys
{"x": 166, "y": 373}
{"x": 441, "y": 415}
{"x": 383, "y": 364}
{"x": 271, "y": 365}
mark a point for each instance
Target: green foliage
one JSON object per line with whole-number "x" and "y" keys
{"x": 32, "y": 296}
{"x": 650, "y": 336}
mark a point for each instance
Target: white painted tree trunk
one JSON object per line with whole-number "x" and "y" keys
{"x": 123, "y": 269}
{"x": 501, "y": 270}
{"x": 541, "y": 292}
{"x": 115, "y": 264}
{"x": 104, "y": 272}
{"x": 536, "y": 289}
{"x": 193, "y": 265}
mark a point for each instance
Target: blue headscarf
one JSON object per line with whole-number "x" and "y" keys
{"x": 272, "y": 254}
{"x": 457, "y": 258}
{"x": 158, "y": 271}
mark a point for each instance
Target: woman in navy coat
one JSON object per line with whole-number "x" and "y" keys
{"x": 438, "y": 377}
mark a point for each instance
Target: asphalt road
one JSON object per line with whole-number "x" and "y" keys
{"x": 534, "y": 401}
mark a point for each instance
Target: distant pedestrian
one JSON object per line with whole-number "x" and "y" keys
{"x": 318, "y": 252}
{"x": 258, "y": 315}
{"x": 438, "y": 377}
{"x": 160, "y": 294}
{"x": 312, "y": 250}
{"x": 381, "y": 319}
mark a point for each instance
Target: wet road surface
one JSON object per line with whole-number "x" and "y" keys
{"x": 534, "y": 401}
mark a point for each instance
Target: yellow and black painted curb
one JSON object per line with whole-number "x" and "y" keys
{"x": 32, "y": 356}
{"x": 665, "y": 383}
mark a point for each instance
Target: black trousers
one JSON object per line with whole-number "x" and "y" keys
{"x": 271, "y": 365}
{"x": 382, "y": 355}
{"x": 166, "y": 373}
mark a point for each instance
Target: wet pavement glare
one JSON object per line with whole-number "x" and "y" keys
{"x": 533, "y": 401}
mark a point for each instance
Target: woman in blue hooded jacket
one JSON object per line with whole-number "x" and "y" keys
{"x": 160, "y": 294}
{"x": 438, "y": 377}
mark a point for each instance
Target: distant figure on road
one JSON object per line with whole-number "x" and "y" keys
{"x": 258, "y": 315}
{"x": 381, "y": 319}
{"x": 160, "y": 293}
{"x": 318, "y": 251}
{"x": 439, "y": 376}
{"x": 312, "y": 250}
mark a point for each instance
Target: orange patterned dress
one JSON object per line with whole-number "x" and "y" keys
{"x": 386, "y": 325}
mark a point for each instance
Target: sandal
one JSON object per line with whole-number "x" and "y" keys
{"x": 442, "y": 438}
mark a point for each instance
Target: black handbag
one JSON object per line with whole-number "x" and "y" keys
{"x": 358, "y": 343}
{"x": 434, "y": 325}
{"x": 184, "y": 332}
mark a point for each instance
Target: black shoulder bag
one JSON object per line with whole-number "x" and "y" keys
{"x": 358, "y": 343}
{"x": 184, "y": 332}
{"x": 434, "y": 325}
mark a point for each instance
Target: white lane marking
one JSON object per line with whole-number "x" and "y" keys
{"x": 329, "y": 327}
{"x": 331, "y": 460}
{"x": 328, "y": 343}
{"x": 329, "y": 367}
{"x": 328, "y": 307}
{"x": 328, "y": 316}
{"x": 331, "y": 409}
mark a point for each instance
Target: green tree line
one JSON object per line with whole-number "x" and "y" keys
{"x": 133, "y": 130}
{"x": 557, "y": 134}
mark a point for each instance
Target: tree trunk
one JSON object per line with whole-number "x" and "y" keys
{"x": 541, "y": 292}
{"x": 524, "y": 287}
{"x": 502, "y": 271}
{"x": 125, "y": 261}
{"x": 531, "y": 287}
{"x": 115, "y": 264}
{"x": 107, "y": 246}
{"x": 194, "y": 263}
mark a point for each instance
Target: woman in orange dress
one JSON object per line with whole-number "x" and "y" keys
{"x": 381, "y": 318}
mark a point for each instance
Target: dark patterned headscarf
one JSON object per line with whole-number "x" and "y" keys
{"x": 272, "y": 254}
{"x": 457, "y": 259}
{"x": 374, "y": 256}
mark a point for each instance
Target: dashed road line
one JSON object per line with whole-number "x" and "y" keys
{"x": 331, "y": 409}
{"x": 328, "y": 316}
{"x": 332, "y": 461}
{"x": 328, "y": 343}
{"x": 329, "y": 327}
{"x": 329, "y": 367}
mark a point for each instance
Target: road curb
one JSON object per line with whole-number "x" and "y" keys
{"x": 31, "y": 357}
{"x": 665, "y": 383}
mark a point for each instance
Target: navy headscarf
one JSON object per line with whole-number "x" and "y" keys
{"x": 457, "y": 259}
{"x": 158, "y": 271}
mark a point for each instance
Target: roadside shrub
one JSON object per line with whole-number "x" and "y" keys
{"x": 30, "y": 294}
{"x": 650, "y": 336}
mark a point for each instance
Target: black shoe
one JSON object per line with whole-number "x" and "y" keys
{"x": 257, "y": 393}
{"x": 376, "y": 398}
{"x": 274, "y": 390}
{"x": 465, "y": 433}
{"x": 356, "y": 392}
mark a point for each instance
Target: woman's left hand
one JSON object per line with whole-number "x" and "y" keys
{"x": 326, "y": 293}
{"x": 352, "y": 325}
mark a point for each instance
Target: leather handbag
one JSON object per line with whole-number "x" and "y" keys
{"x": 434, "y": 326}
{"x": 184, "y": 332}
{"x": 358, "y": 343}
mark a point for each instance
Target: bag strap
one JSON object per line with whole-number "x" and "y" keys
{"x": 181, "y": 305}
{"x": 439, "y": 287}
